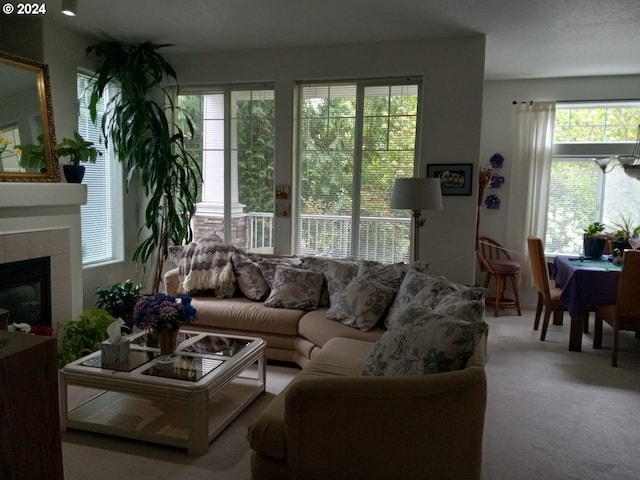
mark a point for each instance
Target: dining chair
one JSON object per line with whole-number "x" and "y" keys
{"x": 625, "y": 313}
{"x": 548, "y": 296}
{"x": 496, "y": 263}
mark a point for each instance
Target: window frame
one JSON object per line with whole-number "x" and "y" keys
{"x": 356, "y": 216}
{"x": 585, "y": 152}
{"x": 110, "y": 172}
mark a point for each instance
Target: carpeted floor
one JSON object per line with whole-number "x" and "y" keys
{"x": 551, "y": 414}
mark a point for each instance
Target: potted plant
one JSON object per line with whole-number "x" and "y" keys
{"x": 162, "y": 315}
{"x": 594, "y": 241}
{"x": 119, "y": 299}
{"x": 83, "y": 336}
{"x": 623, "y": 232}
{"x": 78, "y": 150}
{"x": 139, "y": 123}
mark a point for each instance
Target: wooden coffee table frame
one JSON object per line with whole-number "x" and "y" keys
{"x": 169, "y": 411}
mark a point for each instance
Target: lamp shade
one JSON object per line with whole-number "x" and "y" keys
{"x": 417, "y": 193}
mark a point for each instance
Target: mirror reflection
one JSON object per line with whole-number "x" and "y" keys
{"x": 27, "y": 136}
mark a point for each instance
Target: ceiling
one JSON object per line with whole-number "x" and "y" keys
{"x": 525, "y": 38}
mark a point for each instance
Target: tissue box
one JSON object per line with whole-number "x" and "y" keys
{"x": 114, "y": 354}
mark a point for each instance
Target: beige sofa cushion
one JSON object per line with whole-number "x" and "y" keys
{"x": 316, "y": 327}
{"x": 340, "y": 357}
{"x": 245, "y": 314}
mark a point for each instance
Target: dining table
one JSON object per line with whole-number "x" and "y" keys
{"x": 586, "y": 283}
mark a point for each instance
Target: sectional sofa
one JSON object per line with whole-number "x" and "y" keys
{"x": 393, "y": 382}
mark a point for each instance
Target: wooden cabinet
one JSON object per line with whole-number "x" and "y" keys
{"x": 30, "y": 442}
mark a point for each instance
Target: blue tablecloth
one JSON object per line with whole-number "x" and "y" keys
{"x": 585, "y": 283}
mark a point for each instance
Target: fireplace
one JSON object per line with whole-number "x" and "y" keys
{"x": 25, "y": 291}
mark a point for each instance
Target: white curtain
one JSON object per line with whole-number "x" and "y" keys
{"x": 533, "y": 142}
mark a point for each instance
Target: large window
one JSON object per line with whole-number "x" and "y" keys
{"x": 579, "y": 192}
{"x": 234, "y": 139}
{"x": 354, "y": 139}
{"x": 101, "y": 217}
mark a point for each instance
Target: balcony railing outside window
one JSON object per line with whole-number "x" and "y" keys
{"x": 384, "y": 239}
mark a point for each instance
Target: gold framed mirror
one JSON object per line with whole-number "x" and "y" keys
{"x": 27, "y": 133}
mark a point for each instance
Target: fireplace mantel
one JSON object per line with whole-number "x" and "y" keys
{"x": 14, "y": 195}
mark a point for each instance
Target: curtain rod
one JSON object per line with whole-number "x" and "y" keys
{"x": 515, "y": 102}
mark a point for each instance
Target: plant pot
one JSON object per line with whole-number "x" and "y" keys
{"x": 73, "y": 173}
{"x": 593, "y": 247}
{"x": 168, "y": 342}
{"x": 620, "y": 245}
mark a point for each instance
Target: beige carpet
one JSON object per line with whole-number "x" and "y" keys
{"x": 552, "y": 414}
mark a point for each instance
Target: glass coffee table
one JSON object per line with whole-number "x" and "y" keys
{"x": 184, "y": 401}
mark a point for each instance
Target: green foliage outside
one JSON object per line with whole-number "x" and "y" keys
{"x": 255, "y": 143}
{"x": 83, "y": 336}
{"x": 596, "y": 125}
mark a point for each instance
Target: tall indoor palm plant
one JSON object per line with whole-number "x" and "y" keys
{"x": 140, "y": 124}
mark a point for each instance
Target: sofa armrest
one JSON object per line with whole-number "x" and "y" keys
{"x": 171, "y": 282}
{"x": 387, "y": 427}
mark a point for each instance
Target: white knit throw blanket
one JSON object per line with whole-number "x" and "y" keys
{"x": 206, "y": 265}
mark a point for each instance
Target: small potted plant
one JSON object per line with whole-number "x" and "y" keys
{"x": 624, "y": 231}
{"x": 83, "y": 336}
{"x": 593, "y": 241}
{"x": 119, "y": 299}
{"x": 78, "y": 150}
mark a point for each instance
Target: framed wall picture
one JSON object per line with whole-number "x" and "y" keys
{"x": 455, "y": 178}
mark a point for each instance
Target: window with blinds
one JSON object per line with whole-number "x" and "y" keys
{"x": 354, "y": 139}
{"x": 234, "y": 138}
{"x": 101, "y": 226}
{"x": 579, "y": 192}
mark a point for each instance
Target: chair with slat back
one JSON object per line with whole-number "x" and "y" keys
{"x": 625, "y": 314}
{"x": 496, "y": 263}
{"x": 548, "y": 296}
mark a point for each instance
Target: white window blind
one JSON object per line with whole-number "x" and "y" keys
{"x": 101, "y": 229}
{"x": 354, "y": 139}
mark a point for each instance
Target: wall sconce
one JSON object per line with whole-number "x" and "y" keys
{"x": 417, "y": 194}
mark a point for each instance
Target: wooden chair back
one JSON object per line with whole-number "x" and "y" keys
{"x": 489, "y": 249}
{"x": 539, "y": 268}
{"x": 628, "y": 299}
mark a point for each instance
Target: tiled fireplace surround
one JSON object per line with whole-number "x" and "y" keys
{"x": 43, "y": 220}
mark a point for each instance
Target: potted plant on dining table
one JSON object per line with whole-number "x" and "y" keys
{"x": 594, "y": 240}
{"x": 161, "y": 315}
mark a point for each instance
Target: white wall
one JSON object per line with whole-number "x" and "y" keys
{"x": 65, "y": 53}
{"x": 453, "y": 72}
{"x": 497, "y": 125}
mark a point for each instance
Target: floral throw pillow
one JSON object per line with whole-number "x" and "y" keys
{"x": 268, "y": 266}
{"x": 362, "y": 304}
{"x": 295, "y": 288}
{"x": 467, "y": 304}
{"x": 417, "y": 287}
{"x": 249, "y": 277}
{"x": 338, "y": 274}
{"x": 316, "y": 264}
{"x": 424, "y": 341}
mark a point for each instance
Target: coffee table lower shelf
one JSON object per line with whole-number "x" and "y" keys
{"x": 163, "y": 421}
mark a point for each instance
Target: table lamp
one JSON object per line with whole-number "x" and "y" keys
{"x": 417, "y": 194}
